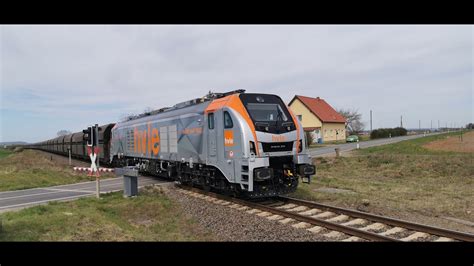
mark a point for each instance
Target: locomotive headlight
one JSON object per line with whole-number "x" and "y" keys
{"x": 252, "y": 147}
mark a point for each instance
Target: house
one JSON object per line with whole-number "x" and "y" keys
{"x": 319, "y": 118}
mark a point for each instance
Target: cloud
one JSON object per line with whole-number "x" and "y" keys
{"x": 69, "y": 76}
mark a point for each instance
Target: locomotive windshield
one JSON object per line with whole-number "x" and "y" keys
{"x": 268, "y": 112}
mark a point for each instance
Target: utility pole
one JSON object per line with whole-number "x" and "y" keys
{"x": 438, "y": 124}
{"x": 431, "y": 128}
{"x": 370, "y": 120}
{"x": 401, "y": 121}
{"x": 419, "y": 124}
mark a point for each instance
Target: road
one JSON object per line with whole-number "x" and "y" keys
{"x": 17, "y": 199}
{"x": 324, "y": 151}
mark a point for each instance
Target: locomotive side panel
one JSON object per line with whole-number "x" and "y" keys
{"x": 174, "y": 136}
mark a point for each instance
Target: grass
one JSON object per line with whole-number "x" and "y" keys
{"x": 149, "y": 217}
{"x": 414, "y": 146}
{"x": 4, "y": 153}
{"x": 400, "y": 177}
{"x": 30, "y": 169}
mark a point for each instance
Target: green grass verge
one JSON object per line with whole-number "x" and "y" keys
{"x": 149, "y": 217}
{"x": 30, "y": 169}
{"x": 4, "y": 153}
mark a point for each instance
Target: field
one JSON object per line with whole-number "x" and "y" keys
{"x": 457, "y": 143}
{"x": 149, "y": 217}
{"x": 408, "y": 180}
{"x": 31, "y": 168}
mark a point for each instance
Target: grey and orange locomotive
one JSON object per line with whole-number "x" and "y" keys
{"x": 244, "y": 144}
{"x": 240, "y": 143}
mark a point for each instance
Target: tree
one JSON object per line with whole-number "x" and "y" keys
{"x": 470, "y": 126}
{"x": 353, "y": 117}
{"x": 63, "y": 132}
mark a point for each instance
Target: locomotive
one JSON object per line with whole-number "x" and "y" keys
{"x": 245, "y": 144}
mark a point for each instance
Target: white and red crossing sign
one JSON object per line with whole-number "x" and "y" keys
{"x": 93, "y": 168}
{"x": 93, "y": 156}
{"x": 100, "y": 169}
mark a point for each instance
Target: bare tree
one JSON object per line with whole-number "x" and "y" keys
{"x": 353, "y": 117}
{"x": 63, "y": 132}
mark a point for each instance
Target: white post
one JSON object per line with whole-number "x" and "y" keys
{"x": 97, "y": 181}
{"x": 69, "y": 150}
{"x": 358, "y": 144}
{"x": 97, "y": 187}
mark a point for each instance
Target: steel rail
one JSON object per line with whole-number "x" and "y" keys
{"x": 386, "y": 220}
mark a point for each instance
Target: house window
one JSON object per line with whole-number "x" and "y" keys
{"x": 300, "y": 117}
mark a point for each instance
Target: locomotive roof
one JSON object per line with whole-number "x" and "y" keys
{"x": 208, "y": 97}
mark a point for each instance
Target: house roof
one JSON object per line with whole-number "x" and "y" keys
{"x": 321, "y": 109}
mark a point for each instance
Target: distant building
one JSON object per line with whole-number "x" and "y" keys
{"x": 319, "y": 118}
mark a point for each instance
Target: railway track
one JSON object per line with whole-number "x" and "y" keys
{"x": 338, "y": 223}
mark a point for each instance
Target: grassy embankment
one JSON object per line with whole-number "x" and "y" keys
{"x": 399, "y": 177}
{"x": 149, "y": 217}
{"x": 30, "y": 169}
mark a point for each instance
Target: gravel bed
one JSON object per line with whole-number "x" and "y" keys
{"x": 403, "y": 234}
{"x": 229, "y": 224}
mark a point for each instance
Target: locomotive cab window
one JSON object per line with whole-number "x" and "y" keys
{"x": 210, "y": 120}
{"x": 227, "y": 120}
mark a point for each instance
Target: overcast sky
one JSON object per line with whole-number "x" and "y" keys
{"x": 67, "y": 77}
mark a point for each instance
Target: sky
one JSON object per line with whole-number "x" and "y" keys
{"x": 55, "y": 77}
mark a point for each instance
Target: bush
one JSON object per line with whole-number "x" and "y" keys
{"x": 387, "y": 132}
{"x": 18, "y": 149}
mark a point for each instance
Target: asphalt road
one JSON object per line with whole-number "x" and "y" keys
{"x": 29, "y": 197}
{"x": 323, "y": 151}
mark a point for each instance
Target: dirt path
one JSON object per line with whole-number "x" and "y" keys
{"x": 454, "y": 143}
